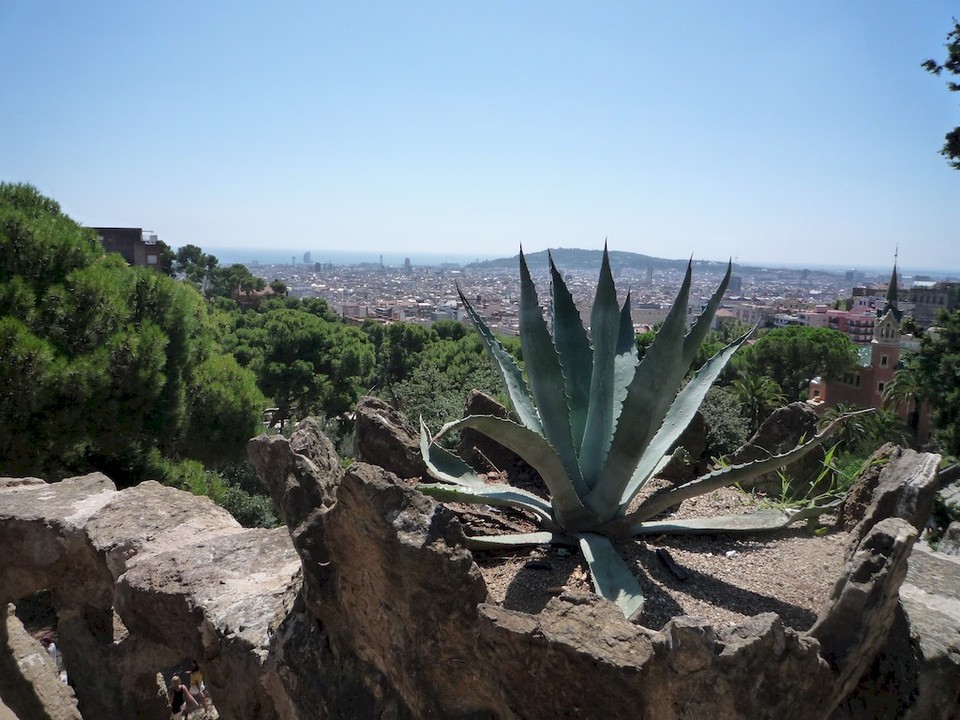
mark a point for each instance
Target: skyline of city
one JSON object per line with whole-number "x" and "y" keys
{"x": 396, "y": 258}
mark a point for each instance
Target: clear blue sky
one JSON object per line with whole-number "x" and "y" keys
{"x": 767, "y": 131}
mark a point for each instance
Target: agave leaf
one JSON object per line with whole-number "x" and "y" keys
{"x": 605, "y": 331}
{"x": 444, "y": 465}
{"x": 546, "y": 376}
{"x": 611, "y": 577}
{"x": 691, "y": 343}
{"x": 498, "y": 494}
{"x": 517, "y": 388}
{"x": 729, "y": 475}
{"x": 507, "y": 542}
{"x": 573, "y": 346}
{"x": 648, "y": 397}
{"x": 540, "y": 455}
{"x": 681, "y": 412}
{"x": 761, "y": 521}
{"x": 625, "y": 361}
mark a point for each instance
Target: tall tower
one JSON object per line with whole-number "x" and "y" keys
{"x": 890, "y": 305}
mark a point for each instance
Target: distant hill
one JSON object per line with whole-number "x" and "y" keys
{"x": 575, "y": 259}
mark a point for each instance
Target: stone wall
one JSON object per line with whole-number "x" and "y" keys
{"x": 369, "y": 605}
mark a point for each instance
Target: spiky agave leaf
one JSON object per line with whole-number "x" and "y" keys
{"x": 761, "y": 521}
{"x": 723, "y": 477}
{"x": 573, "y": 347}
{"x": 681, "y": 412}
{"x": 649, "y": 396}
{"x": 497, "y": 494}
{"x": 541, "y": 456}
{"x": 605, "y": 331}
{"x": 443, "y": 464}
{"x": 546, "y": 376}
{"x": 517, "y": 389}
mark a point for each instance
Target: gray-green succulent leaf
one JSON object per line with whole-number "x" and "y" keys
{"x": 611, "y": 577}
{"x": 510, "y": 541}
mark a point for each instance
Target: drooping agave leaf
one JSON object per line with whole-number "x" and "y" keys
{"x": 573, "y": 346}
{"x": 506, "y": 542}
{"x": 546, "y": 377}
{"x": 444, "y": 465}
{"x": 681, "y": 412}
{"x": 604, "y": 331}
{"x": 498, "y": 494}
{"x": 611, "y": 577}
{"x": 760, "y": 521}
{"x": 648, "y": 397}
{"x": 517, "y": 389}
{"x": 729, "y": 475}
{"x": 541, "y": 456}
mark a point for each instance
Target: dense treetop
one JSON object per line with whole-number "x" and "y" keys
{"x": 102, "y": 365}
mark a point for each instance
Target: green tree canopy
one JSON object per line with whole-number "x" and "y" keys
{"x": 305, "y": 363}
{"x": 792, "y": 356}
{"x": 759, "y": 396}
{"x": 104, "y": 364}
{"x": 938, "y": 369}
{"x": 951, "y": 145}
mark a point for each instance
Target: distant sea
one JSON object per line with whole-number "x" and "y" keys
{"x": 248, "y": 256}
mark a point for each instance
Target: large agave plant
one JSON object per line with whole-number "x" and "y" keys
{"x": 597, "y": 423}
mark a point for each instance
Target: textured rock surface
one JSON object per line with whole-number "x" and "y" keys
{"x": 147, "y": 578}
{"x": 399, "y": 597}
{"x": 950, "y": 542}
{"x": 391, "y": 620}
{"x": 779, "y": 433}
{"x": 29, "y": 683}
{"x": 385, "y": 437}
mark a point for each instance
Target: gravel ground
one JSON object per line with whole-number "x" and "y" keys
{"x": 730, "y": 577}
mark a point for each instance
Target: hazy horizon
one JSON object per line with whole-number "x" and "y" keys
{"x": 274, "y": 256}
{"x": 794, "y": 133}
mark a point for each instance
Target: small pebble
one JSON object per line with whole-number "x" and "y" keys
{"x": 730, "y": 553}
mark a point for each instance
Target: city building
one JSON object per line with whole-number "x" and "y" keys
{"x": 863, "y": 388}
{"x": 929, "y": 298}
{"x": 138, "y": 247}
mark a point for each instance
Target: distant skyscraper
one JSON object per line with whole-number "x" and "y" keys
{"x": 649, "y": 274}
{"x": 407, "y": 267}
{"x": 736, "y": 284}
{"x": 293, "y": 260}
{"x": 306, "y": 258}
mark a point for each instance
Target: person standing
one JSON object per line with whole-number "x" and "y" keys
{"x": 178, "y": 698}
{"x": 197, "y": 688}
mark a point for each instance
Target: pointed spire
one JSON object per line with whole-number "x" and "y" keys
{"x": 891, "y": 303}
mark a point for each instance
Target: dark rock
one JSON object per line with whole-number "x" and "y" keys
{"x": 861, "y": 494}
{"x": 950, "y": 542}
{"x": 29, "y": 683}
{"x": 856, "y": 619}
{"x": 385, "y": 437}
{"x": 695, "y": 461}
{"x": 904, "y": 488}
{"x": 477, "y": 449}
{"x": 780, "y": 433}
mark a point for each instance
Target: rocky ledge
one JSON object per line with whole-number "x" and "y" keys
{"x": 369, "y": 605}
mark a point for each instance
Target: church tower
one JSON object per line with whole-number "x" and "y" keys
{"x": 885, "y": 348}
